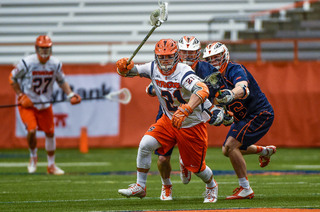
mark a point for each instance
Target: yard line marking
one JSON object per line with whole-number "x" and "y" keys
{"x": 307, "y": 166}
{"x": 44, "y": 164}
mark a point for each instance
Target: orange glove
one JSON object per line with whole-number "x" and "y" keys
{"x": 180, "y": 115}
{"x": 74, "y": 98}
{"x": 123, "y": 68}
{"x": 24, "y": 101}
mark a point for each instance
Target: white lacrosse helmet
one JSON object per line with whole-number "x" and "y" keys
{"x": 217, "y": 54}
{"x": 189, "y": 50}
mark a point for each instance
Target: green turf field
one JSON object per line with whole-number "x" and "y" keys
{"x": 92, "y": 180}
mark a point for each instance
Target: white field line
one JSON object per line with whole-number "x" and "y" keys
{"x": 307, "y": 166}
{"x": 44, "y": 164}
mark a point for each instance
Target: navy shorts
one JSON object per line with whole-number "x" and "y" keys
{"x": 251, "y": 129}
{"x": 169, "y": 153}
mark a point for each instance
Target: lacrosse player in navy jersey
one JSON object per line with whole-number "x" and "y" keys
{"x": 253, "y": 116}
{"x": 189, "y": 52}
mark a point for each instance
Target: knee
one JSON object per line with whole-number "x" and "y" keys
{"x": 225, "y": 151}
{"x": 50, "y": 135}
{"x": 32, "y": 132}
{"x": 164, "y": 159}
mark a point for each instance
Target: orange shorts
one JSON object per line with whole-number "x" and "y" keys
{"x": 35, "y": 119}
{"x": 192, "y": 142}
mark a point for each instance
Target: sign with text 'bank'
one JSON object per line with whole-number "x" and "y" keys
{"x": 100, "y": 117}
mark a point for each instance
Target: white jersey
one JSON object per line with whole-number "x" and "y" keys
{"x": 174, "y": 89}
{"x": 37, "y": 79}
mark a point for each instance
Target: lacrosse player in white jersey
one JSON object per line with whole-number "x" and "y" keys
{"x": 180, "y": 93}
{"x": 32, "y": 80}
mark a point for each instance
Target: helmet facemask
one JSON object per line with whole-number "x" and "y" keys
{"x": 217, "y": 54}
{"x": 166, "y": 55}
{"x": 189, "y": 50}
{"x": 44, "y": 52}
{"x": 43, "y": 48}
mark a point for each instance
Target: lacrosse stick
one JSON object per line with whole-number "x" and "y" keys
{"x": 216, "y": 80}
{"x": 162, "y": 15}
{"x": 122, "y": 96}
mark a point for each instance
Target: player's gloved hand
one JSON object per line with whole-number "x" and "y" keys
{"x": 154, "y": 17}
{"x": 74, "y": 98}
{"x": 150, "y": 90}
{"x": 217, "y": 115}
{"x": 24, "y": 101}
{"x": 225, "y": 96}
{"x": 123, "y": 68}
{"x": 228, "y": 118}
{"x": 180, "y": 115}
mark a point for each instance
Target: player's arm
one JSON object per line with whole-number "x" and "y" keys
{"x": 126, "y": 70}
{"x": 200, "y": 93}
{"x": 240, "y": 91}
{"x": 72, "y": 97}
{"x": 23, "y": 99}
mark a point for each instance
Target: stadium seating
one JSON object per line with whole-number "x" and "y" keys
{"x": 101, "y": 31}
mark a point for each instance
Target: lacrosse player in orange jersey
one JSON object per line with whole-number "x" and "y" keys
{"x": 32, "y": 80}
{"x": 180, "y": 93}
{"x": 189, "y": 52}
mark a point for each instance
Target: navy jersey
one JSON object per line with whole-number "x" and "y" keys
{"x": 255, "y": 102}
{"x": 202, "y": 70}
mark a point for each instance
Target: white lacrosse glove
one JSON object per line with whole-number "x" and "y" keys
{"x": 216, "y": 115}
{"x": 225, "y": 97}
{"x": 155, "y": 17}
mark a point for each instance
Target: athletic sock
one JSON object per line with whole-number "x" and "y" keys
{"x": 261, "y": 150}
{"x": 142, "y": 179}
{"x": 212, "y": 184}
{"x": 166, "y": 181}
{"x": 51, "y": 159}
{"x": 33, "y": 152}
{"x": 244, "y": 182}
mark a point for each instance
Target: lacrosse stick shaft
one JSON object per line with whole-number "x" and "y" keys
{"x": 141, "y": 44}
{"x": 51, "y": 102}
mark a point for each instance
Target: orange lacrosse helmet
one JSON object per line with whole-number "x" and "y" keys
{"x": 166, "y": 55}
{"x": 217, "y": 54}
{"x": 43, "y": 48}
{"x": 189, "y": 50}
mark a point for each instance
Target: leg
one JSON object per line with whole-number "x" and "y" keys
{"x": 32, "y": 143}
{"x": 147, "y": 145}
{"x": 211, "y": 185}
{"x": 164, "y": 168}
{"x": 50, "y": 146}
{"x": 231, "y": 150}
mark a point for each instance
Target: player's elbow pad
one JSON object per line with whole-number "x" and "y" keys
{"x": 201, "y": 90}
{"x": 246, "y": 91}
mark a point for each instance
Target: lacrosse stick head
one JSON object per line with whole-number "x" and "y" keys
{"x": 123, "y": 96}
{"x": 214, "y": 82}
{"x": 163, "y": 16}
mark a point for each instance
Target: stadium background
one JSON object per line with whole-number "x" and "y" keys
{"x": 278, "y": 42}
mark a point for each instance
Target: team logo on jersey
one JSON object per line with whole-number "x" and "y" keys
{"x": 167, "y": 84}
{"x": 41, "y": 73}
{"x": 151, "y": 128}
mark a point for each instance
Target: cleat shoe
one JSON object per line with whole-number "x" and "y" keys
{"x": 32, "y": 166}
{"x": 166, "y": 192}
{"x": 55, "y": 170}
{"x": 185, "y": 174}
{"x": 242, "y": 193}
{"x": 264, "y": 160}
{"x": 211, "y": 195}
{"x": 134, "y": 190}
